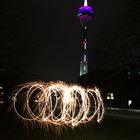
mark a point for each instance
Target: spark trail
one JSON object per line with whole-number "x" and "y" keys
{"x": 57, "y": 103}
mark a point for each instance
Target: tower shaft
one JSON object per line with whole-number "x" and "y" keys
{"x": 85, "y": 14}
{"x": 84, "y": 61}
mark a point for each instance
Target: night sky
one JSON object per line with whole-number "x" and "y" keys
{"x": 41, "y": 39}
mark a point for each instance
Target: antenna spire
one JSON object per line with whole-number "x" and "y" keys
{"x": 85, "y": 3}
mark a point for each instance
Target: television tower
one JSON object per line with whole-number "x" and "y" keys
{"x": 85, "y": 14}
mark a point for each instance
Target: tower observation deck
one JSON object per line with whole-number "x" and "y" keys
{"x": 85, "y": 15}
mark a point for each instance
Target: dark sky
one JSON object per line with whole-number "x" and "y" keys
{"x": 41, "y": 39}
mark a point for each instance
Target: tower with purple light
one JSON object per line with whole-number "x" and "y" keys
{"x": 85, "y": 14}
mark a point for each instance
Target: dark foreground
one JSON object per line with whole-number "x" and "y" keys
{"x": 112, "y": 128}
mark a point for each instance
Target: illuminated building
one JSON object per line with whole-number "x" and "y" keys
{"x": 85, "y": 14}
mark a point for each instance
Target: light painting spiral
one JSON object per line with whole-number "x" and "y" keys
{"x": 57, "y": 103}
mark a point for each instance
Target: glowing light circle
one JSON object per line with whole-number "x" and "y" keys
{"x": 57, "y": 103}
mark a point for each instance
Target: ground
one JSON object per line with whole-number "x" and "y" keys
{"x": 111, "y": 128}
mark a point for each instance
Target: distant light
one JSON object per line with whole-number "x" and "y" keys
{"x": 1, "y": 102}
{"x": 2, "y": 93}
{"x": 0, "y": 87}
{"x": 129, "y": 102}
{"x": 110, "y": 96}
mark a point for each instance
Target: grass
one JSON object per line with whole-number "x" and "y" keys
{"x": 110, "y": 129}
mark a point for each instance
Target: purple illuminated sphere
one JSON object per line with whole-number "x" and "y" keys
{"x": 85, "y": 14}
{"x": 85, "y": 8}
